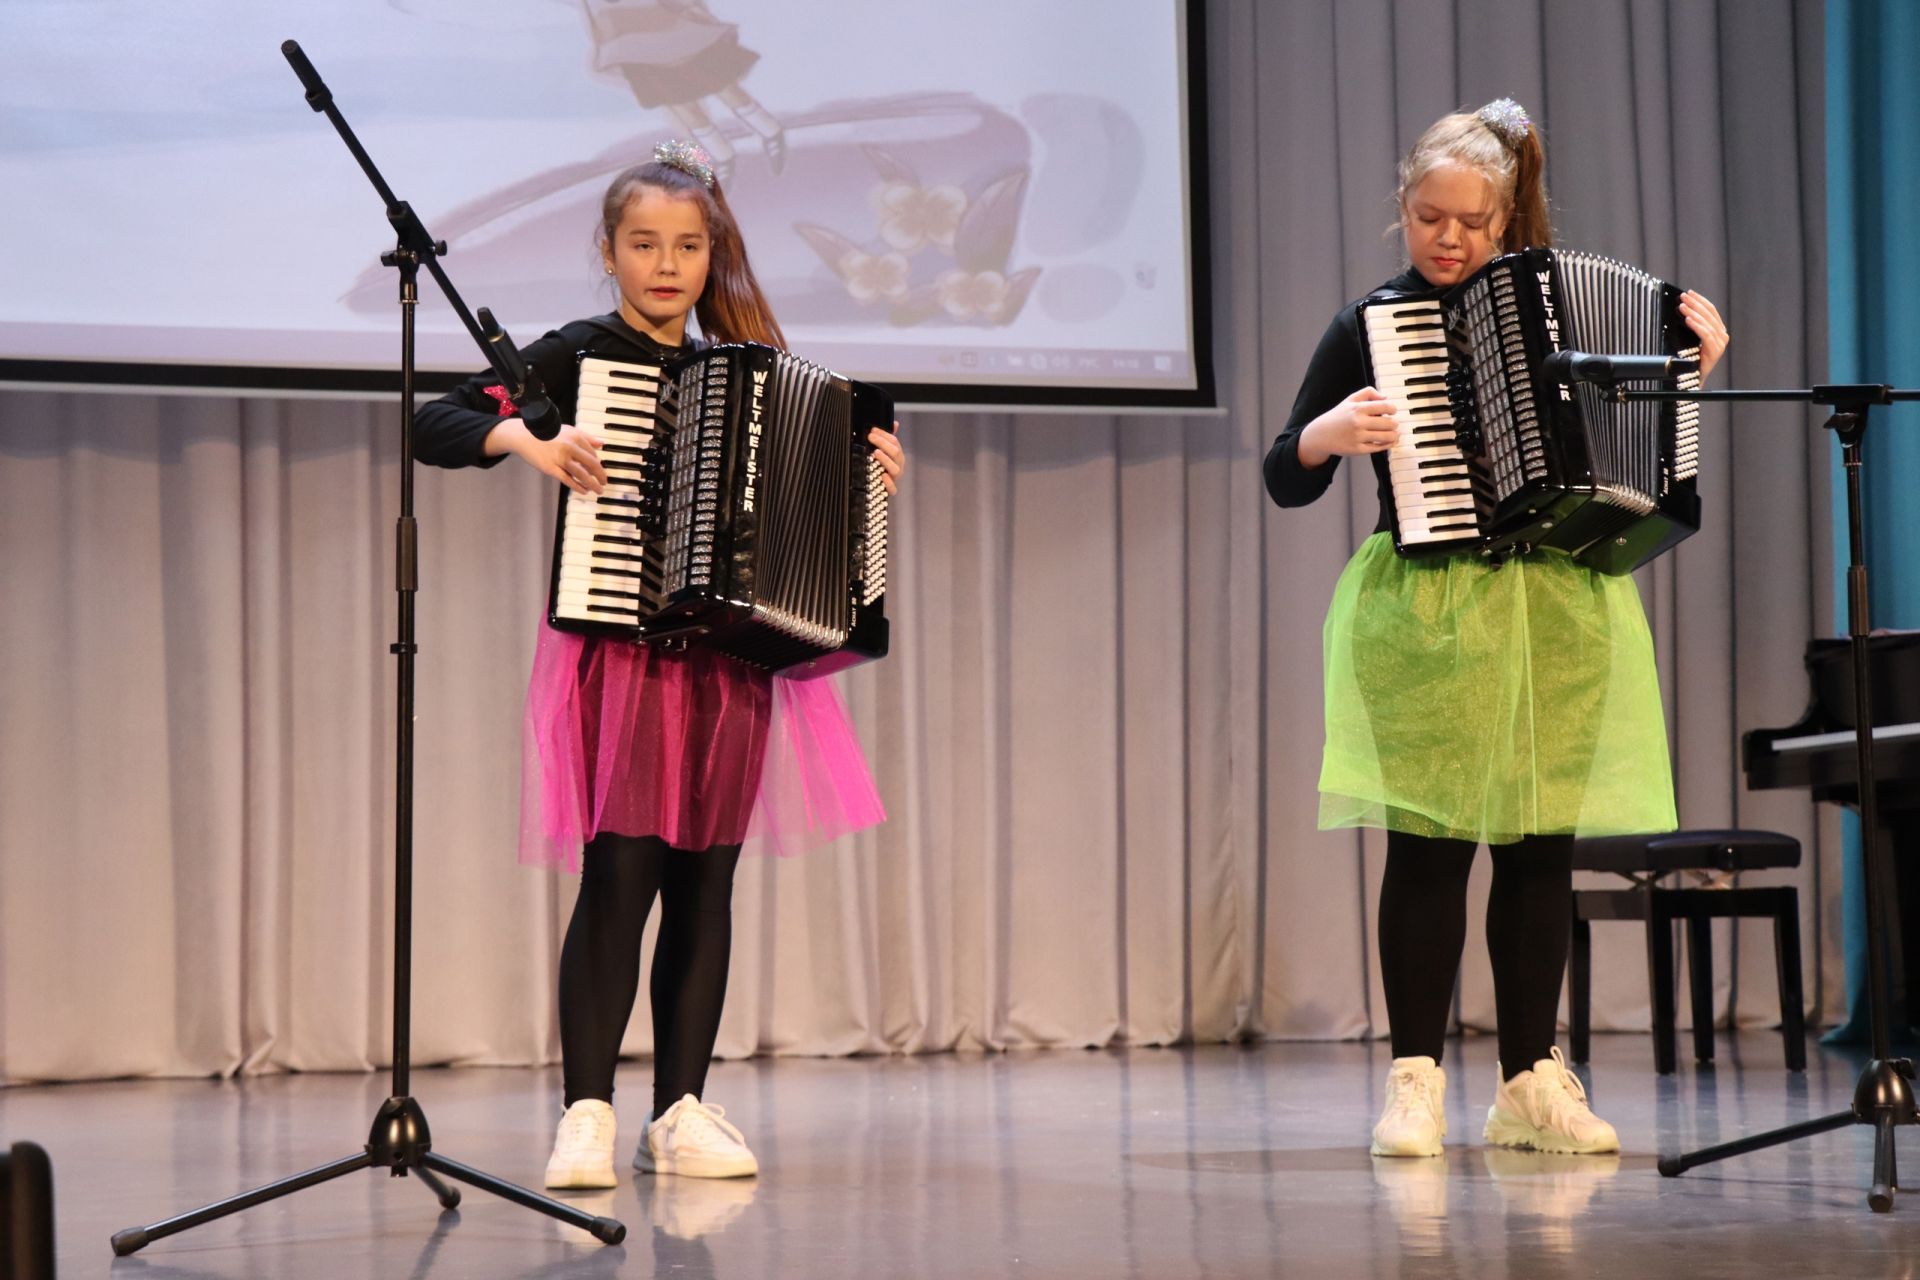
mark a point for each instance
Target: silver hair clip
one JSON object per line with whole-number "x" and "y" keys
{"x": 1508, "y": 120}
{"x": 688, "y": 157}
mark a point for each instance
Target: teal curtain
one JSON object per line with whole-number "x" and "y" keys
{"x": 1873, "y": 243}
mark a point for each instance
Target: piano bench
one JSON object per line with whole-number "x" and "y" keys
{"x": 1647, "y": 860}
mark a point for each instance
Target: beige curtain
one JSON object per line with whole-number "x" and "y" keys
{"x": 1098, "y": 734}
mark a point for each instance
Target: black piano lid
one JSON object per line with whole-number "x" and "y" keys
{"x": 1896, "y": 678}
{"x": 1830, "y": 769}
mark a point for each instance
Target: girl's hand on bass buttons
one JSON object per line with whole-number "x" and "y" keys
{"x": 893, "y": 459}
{"x": 1365, "y": 422}
{"x": 572, "y": 458}
{"x": 1704, "y": 319}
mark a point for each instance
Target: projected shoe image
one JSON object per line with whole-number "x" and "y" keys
{"x": 677, "y": 55}
{"x": 902, "y": 213}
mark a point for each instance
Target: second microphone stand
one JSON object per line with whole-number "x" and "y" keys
{"x": 1883, "y": 1097}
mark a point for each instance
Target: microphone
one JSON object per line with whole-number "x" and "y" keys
{"x": 523, "y": 384}
{"x": 1581, "y": 366}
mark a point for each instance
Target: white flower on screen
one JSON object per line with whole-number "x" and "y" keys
{"x": 874, "y": 275}
{"x": 966, "y": 294}
{"x": 912, "y": 215}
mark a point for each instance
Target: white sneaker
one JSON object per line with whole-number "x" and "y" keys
{"x": 583, "y": 1147}
{"x": 1415, "y": 1118}
{"x": 693, "y": 1139}
{"x": 1545, "y": 1108}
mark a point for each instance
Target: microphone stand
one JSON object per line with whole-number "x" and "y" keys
{"x": 1884, "y": 1094}
{"x": 399, "y": 1141}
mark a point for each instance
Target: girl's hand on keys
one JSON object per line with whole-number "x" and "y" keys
{"x": 572, "y": 458}
{"x": 1365, "y": 422}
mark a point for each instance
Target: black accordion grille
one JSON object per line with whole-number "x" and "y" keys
{"x": 762, "y": 503}
{"x": 1596, "y": 304}
{"x": 1611, "y": 306}
{"x": 801, "y": 575}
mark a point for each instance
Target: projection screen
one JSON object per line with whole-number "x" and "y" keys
{"x": 996, "y": 202}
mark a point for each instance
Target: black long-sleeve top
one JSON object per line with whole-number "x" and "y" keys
{"x": 452, "y": 431}
{"x": 1336, "y": 371}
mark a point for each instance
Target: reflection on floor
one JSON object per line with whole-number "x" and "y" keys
{"x": 1219, "y": 1161}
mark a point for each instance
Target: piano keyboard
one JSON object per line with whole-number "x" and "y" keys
{"x": 605, "y": 568}
{"x": 1432, "y": 484}
{"x": 1845, "y": 738}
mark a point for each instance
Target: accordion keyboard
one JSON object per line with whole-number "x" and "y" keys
{"x": 1432, "y": 484}
{"x": 603, "y": 552}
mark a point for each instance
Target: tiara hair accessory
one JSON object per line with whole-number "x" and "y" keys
{"x": 688, "y": 157}
{"x": 1508, "y": 120}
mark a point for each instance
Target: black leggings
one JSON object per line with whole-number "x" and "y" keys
{"x": 1423, "y": 927}
{"x": 600, "y": 963}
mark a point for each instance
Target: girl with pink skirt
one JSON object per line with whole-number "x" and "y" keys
{"x": 646, "y": 769}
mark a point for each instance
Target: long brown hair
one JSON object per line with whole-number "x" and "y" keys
{"x": 1517, "y": 172}
{"x": 732, "y": 307}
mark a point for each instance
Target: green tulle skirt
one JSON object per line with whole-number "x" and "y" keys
{"x": 1487, "y": 704}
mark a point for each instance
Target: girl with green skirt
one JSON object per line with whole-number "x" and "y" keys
{"x": 1514, "y": 705}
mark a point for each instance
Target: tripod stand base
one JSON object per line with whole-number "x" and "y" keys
{"x": 605, "y": 1230}
{"x": 1883, "y": 1098}
{"x": 399, "y": 1143}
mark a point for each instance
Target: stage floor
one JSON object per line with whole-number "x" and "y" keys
{"x": 1217, "y": 1161}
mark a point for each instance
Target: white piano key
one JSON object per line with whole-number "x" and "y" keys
{"x": 1453, "y": 508}
{"x": 618, "y": 410}
{"x": 1428, "y": 501}
{"x": 1438, "y": 524}
{"x": 641, "y": 379}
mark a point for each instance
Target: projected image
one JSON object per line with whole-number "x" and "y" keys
{"x": 905, "y": 208}
{"x": 928, "y": 192}
{"x": 676, "y": 54}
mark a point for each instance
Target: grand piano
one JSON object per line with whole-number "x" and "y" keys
{"x": 1818, "y": 753}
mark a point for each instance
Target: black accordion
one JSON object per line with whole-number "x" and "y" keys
{"x": 1496, "y": 458}
{"x": 744, "y": 510}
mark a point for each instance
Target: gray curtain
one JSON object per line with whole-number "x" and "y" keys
{"x": 1099, "y": 732}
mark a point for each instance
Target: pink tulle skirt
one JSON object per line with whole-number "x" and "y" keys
{"x": 689, "y": 746}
